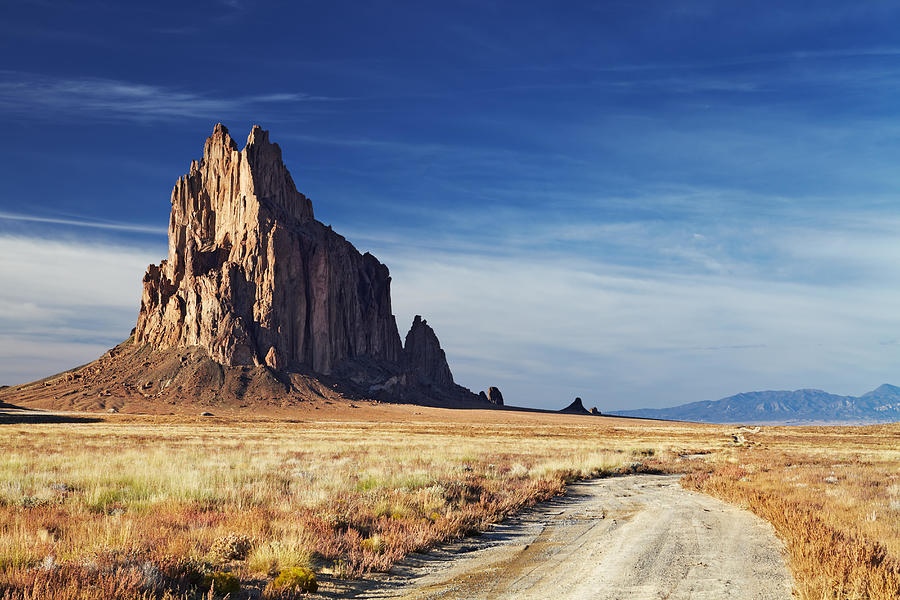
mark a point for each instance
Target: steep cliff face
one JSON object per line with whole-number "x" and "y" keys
{"x": 253, "y": 278}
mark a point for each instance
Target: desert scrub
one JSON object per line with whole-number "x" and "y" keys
{"x": 295, "y": 579}
{"x": 140, "y": 490}
{"x": 222, "y": 583}
{"x": 272, "y": 557}
{"x": 374, "y": 544}
{"x": 234, "y": 546}
{"x": 111, "y": 575}
{"x": 826, "y": 509}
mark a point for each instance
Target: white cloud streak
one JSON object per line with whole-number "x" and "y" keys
{"x": 26, "y": 94}
{"x": 549, "y": 330}
{"x": 134, "y": 228}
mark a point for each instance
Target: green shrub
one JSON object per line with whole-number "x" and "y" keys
{"x": 297, "y": 579}
{"x": 222, "y": 582}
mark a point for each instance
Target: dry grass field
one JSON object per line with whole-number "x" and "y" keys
{"x": 171, "y": 506}
{"x": 833, "y": 496}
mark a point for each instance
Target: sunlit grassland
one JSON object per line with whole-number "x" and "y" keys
{"x": 833, "y": 496}
{"x": 341, "y": 498}
{"x": 149, "y": 507}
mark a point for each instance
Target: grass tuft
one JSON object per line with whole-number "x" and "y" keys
{"x": 296, "y": 579}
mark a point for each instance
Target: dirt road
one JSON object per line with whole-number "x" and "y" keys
{"x": 635, "y": 537}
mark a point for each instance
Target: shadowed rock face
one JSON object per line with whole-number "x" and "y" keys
{"x": 423, "y": 357}
{"x": 494, "y": 396}
{"x": 575, "y": 408}
{"x": 253, "y": 278}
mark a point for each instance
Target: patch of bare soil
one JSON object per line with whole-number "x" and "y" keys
{"x": 634, "y": 537}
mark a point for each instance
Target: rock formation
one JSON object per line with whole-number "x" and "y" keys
{"x": 423, "y": 356}
{"x": 575, "y": 408}
{"x": 253, "y": 279}
{"x": 494, "y": 396}
{"x": 257, "y": 303}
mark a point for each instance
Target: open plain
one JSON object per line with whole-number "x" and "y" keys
{"x": 166, "y": 506}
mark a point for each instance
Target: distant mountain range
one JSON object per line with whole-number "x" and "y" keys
{"x": 798, "y": 407}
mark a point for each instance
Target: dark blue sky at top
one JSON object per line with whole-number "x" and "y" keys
{"x": 663, "y": 138}
{"x": 563, "y": 98}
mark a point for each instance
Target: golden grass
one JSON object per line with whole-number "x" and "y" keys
{"x": 153, "y": 507}
{"x": 832, "y": 496}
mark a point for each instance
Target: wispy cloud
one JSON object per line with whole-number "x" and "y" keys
{"x": 135, "y": 228}
{"x": 736, "y": 61}
{"x": 548, "y": 328}
{"x": 36, "y": 96}
{"x": 651, "y": 312}
{"x": 64, "y": 301}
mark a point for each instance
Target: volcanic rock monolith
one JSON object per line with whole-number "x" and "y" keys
{"x": 254, "y": 279}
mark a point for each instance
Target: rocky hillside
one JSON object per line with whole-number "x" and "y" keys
{"x": 881, "y": 405}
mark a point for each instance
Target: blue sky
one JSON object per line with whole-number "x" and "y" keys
{"x": 639, "y": 203}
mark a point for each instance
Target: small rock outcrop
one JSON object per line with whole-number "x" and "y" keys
{"x": 575, "y": 408}
{"x": 595, "y": 411}
{"x": 423, "y": 357}
{"x": 494, "y": 396}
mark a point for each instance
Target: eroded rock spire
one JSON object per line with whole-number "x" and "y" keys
{"x": 252, "y": 277}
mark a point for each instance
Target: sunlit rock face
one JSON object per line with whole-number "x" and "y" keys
{"x": 253, "y": 278}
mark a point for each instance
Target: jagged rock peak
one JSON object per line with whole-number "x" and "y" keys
{"x": 423, "y": 356}
{"x": 575, "y": 408}
{"x": 253, "y": 278}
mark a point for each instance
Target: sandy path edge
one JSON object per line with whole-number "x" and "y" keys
{"x": 632, "y": 537}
